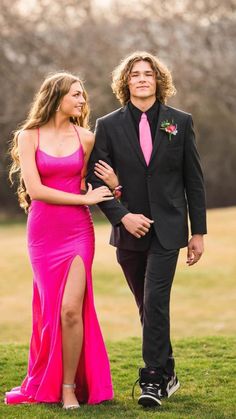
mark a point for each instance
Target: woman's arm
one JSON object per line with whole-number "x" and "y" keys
{"x": 38, "y": 191}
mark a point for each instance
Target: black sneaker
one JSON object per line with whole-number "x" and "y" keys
{"x": 169, "y": 385}
{"x": 149, "y": 382}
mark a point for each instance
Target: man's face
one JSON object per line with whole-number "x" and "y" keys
{"x": 142, "y": 81}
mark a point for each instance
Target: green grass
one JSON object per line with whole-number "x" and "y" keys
{"x": 197, "y": 292}
{"x": 202, "y": 305}
{"x": 206, "y": 369}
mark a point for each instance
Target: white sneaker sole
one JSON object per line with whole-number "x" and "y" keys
{"x": 149, "y": 401}
{"x": 173, "y": 389}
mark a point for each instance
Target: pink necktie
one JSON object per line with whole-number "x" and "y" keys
{"x": 145, "y": 137}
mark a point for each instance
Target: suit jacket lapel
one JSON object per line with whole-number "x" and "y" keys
{"x": 160, "y": 134}
{"x": 127, "y": 126}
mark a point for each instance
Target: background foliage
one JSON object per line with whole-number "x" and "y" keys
{"x": 88, "y": 37}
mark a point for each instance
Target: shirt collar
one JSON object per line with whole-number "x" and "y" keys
{"x": 151, "y": 112}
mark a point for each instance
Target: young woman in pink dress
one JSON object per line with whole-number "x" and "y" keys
{"x": 67, "y": 358}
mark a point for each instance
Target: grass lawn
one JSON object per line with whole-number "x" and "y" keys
{"x": 203, "y": 305}
{"x": 206, "y": 369}
{"x": 203, "y": 296}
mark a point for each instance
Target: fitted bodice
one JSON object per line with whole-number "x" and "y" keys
{"x": 62, "y": 173}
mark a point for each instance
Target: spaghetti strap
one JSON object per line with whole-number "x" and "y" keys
{"x": 77, "y": 132}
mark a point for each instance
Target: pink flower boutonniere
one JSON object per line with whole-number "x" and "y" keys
{"x": 169, "y": 127}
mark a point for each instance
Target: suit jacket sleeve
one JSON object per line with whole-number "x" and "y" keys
{"x": 113, "y": 209}
{"x": 194, "y": 182}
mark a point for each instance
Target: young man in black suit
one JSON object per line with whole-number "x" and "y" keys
{"x": 152, "y": 149}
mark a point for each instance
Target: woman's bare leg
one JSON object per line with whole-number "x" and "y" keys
{"x": 72, "y": 326}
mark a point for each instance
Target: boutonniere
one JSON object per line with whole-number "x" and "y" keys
{"x": 169, "y": 127}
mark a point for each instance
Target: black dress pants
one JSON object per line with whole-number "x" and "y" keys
{"x": 150, "y": 275}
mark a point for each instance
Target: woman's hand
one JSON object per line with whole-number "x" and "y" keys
{"x": 106, "y": 173}
{"x": 94, "y": 196}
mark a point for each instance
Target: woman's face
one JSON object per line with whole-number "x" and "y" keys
{"x": 72, "y": 103}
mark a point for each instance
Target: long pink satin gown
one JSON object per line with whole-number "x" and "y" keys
{"x": 56, "y": 235}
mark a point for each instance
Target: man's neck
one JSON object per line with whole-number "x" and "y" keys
{"x": 143, "y": 103}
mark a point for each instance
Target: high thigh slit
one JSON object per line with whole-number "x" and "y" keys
{"x": 57, "y": 234}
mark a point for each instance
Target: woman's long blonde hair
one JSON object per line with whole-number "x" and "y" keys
{"x": 44, "y": 106}
{"x": 120, "y": 77}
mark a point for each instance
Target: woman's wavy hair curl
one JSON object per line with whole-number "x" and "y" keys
{"x": 44, "y": 106}
{"x": 120, "y": 77}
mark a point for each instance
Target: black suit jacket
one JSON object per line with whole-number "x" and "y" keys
{"x": 167, "y": 190}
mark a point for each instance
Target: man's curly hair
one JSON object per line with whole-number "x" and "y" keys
{"x": 120, "y": 77}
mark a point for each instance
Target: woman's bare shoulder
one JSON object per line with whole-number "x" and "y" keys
{"x": 86, "y": 135}
{"x": 27, "y": 137}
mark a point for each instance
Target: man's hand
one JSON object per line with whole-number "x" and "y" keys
{"x": 137, "y": 224}
{"x": 195, "y": 249}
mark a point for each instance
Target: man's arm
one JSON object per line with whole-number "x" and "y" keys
{"x": 195, "y": 192}
{"x": 194, "y": 182}
{"x": 115, "y": 211}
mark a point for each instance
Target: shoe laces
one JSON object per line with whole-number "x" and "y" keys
{"x": 149, "y": 386}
